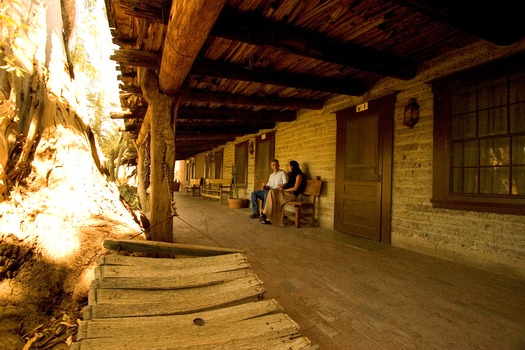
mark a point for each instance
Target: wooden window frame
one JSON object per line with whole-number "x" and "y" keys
{"x": 442, "y": 195}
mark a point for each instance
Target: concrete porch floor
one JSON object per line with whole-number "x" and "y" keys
{"x": 347, "y": 293}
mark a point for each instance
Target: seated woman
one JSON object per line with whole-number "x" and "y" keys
{"x": 276, "y": 199}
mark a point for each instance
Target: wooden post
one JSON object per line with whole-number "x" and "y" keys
{"x": 162, "y": 157}
{"x": 189, "y": 25}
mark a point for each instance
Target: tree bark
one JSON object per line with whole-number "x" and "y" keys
{"x": 162, "y": 158}
{"x": 189, "y": 25}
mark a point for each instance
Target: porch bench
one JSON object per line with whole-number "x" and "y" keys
{"x": 216, "y": 188}
{"x": 194, "y": 186}
{"x": 304, "y": 207}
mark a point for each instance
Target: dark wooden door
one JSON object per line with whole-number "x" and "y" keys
{"x": 264, "y": 154}
{"x": 363, "y": 170}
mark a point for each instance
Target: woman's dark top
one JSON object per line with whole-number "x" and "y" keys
{"x": 292, "y": 177}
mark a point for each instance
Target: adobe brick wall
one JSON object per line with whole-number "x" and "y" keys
{"x": 489, "y": 241}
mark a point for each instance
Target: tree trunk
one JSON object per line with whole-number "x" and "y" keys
{"x": 58, "y": 205}
{"x": 162, "y": 158}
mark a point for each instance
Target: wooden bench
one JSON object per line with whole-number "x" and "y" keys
{"x": 304, "y": 207}
{"x": 194, "y": 186}
{"x": 216, "y": 188}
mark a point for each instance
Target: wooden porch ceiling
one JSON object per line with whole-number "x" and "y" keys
{"x": 259, "y": 61}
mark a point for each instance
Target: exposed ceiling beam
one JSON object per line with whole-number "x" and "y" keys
{"x": 237, "y": 72}
{"x": 255, "y": 30}
{"x": 240, "y": 100}
{"x": 235, "y": 115}
{"x": 267, "y": 76}
{"x": 190, "y": 138}
{"x": 207, "y": 130}
{"x": 189, "y": 25}
{"x": 499, "y": 22}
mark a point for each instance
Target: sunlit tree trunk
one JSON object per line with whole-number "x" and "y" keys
{"x": 54, "y": 178}
{"x": 162, "y": 158}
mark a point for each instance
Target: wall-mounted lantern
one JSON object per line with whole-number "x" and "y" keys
{"x": 411, "y": 114}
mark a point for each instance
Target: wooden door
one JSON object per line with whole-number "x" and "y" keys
{"x": 364, "y": 170}
{"x": 264, "y": 154}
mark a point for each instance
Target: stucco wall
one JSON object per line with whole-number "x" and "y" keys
{"x": 489, "y": 241}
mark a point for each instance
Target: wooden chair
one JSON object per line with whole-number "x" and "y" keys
{"x": 304, "y": 207}
{"x": 194, "y": 186}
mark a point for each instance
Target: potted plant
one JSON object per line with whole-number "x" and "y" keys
{"x": 234, "y": 201}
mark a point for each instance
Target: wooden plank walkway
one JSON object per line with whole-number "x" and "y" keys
{"x": 211, "y": 299}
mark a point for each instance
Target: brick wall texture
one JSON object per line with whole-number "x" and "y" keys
{"x": 488, "y": 241}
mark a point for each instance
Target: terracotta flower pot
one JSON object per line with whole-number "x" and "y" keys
{"x": 237, "y": 203}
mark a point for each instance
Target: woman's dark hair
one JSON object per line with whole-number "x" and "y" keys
{"x": 294, "y": 164}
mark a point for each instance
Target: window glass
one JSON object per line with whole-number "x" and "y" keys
{"x": 517, "y": 117}
{"x": 517, "y": 88}
{"x": 493, "y": 121}
{"x": 494, "y": 180}
{"x": 464, "y": 126}
{"x": 463, "y": 101}
{"x": 518, "y": 150}
{"x": 492, "y": 94}
{"x": 518, "y": 180}
{"x": 494, "y": 152}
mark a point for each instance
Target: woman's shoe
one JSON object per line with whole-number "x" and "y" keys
{"x": 264, "y": 220}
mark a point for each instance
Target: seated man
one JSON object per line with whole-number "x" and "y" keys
{"x": 277, "y": 178}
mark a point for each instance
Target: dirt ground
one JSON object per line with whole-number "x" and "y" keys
{"x": 47, "y": 255}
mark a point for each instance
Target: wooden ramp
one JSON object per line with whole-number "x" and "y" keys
{"x": 208, "y": 299}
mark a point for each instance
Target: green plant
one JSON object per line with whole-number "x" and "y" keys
{"x": 10, "y": 29}
{"x": 129, "y": 194}
{"x": 234, "y": 183}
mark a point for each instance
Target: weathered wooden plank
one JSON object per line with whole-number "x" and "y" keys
{"x": 183, "y": 300}
{"x": 256, "y": 342}
{"x": 301, "y": 343}
{"x": 187, "y": 295}
{"x": 179, "y": 263}
{"x": 208, "y": 336}
{"x": 171, "y": 282}
{"x": 139, "y": 272}
{"x": 156, "y": 247}
{"x": 123, "y": 325}
{"x": 163, "y": 306}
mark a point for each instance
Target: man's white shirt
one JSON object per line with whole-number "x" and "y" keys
{"x": 278, "y": 178}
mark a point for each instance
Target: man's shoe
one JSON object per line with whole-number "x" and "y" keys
{"x": 253, "y": 216}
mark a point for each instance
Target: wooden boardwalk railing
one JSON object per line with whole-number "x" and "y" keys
{"x": 211, "y": 300}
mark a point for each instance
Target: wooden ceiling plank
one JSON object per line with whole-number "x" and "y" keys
{"x": 500, "y": 23}
{"x": 189, "y": 25}
{"x": 151, "y": 10}
{"x": 258, "y": 31}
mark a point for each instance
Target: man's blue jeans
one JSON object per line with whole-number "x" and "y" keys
{"x": 259, "y": 194}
